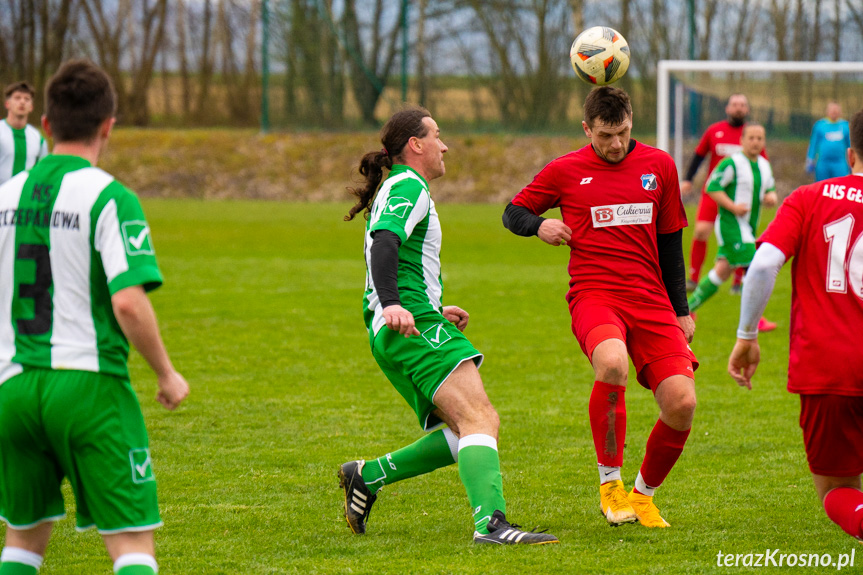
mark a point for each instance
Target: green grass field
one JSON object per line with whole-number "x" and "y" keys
{"x": 261, "y": 312}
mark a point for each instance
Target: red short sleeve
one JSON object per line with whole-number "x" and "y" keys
{"x": 703, "y": 148}
{"x": 542, "y": 194}
{"x": 786, "y": 229}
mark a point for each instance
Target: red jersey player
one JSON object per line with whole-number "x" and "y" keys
{"x": 821, "y": 227}
{"x": 623, "y": 221}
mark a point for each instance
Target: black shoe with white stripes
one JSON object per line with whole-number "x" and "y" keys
{"x": 501, "y": 532}
{"x": 358, "y": 497}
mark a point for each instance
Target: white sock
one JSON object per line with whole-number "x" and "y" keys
{"x": 18, "y": 555}
{"x": 477, "y": 439}
{"x": 714, "y": 278}
{"x": 452, "y": 441}
{"x": 135, "y": 559}
{"x": 643, "y": 487}
{"x": 607, "y": 473}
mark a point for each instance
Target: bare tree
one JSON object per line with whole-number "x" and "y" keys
{"x": 370, "y": 63}
{"x": 132, "y": 55}
{"x": 526, "y": 39}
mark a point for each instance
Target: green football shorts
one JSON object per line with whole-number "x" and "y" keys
{"x": 418, "y": 365}
{"x": 82, "y": 425}
{"x": 737, "y": 254}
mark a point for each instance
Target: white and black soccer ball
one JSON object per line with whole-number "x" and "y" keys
{"x": 600, "y": 55}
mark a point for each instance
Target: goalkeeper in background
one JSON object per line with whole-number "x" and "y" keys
{"x": 827, "y": 147}
{"x": 739, "y": 185}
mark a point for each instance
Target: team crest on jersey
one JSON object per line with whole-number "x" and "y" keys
{"x": 142, "y": 465}
{"x": 136, "y": 237}
{"x": 648, "y": 181}
{"x": 397, "y": 206}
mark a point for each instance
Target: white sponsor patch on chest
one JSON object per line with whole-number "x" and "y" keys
{"x": 621, "y": 215}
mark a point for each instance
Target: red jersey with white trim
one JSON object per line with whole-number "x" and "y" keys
{"x": 615, "y": 212}
{"x": 720, "y": 140}
{"x": 821, "y": 227}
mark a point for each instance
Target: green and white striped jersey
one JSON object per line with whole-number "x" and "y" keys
{"x": 745, "y": 182}
{"x": 403, "y": 206}
{"x": 19, "y": 149}
{"x": 70, "y": 237}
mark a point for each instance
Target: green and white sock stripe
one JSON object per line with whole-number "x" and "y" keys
{"x": 21, "y": 557}
{"x": 426, "y": 454}
{"x": 135, "y": 564}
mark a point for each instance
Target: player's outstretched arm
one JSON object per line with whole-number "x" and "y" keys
{"x": 744, "y": 361}
{"x": 457, "y": 316}
{"x": 137, "y": 319}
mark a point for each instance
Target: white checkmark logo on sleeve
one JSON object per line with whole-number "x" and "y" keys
{"x": 142, "y": 469}
{"x": 138, "y": 241}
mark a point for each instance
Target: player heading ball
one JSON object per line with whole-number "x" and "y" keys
{"x": 623, "y": 221}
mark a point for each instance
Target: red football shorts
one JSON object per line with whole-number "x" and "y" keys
{"x": 653, "y": 337}
{"x": 833, "y": 434}
{"x": 707, "y": 209}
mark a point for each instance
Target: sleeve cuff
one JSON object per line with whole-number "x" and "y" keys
{"x": 390, "y": 227}
{"x": 147, "y": 277}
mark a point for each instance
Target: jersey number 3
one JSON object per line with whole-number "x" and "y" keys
{"x": 38, "y": 291}
{"x": 841, "y": 273}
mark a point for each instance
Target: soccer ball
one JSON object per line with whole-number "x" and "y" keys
{"x": 600, "y": 55}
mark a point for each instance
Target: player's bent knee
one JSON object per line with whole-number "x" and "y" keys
{"x": 612, "y": 374}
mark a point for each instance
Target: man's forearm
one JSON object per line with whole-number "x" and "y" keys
{"x": 521, "y": 221}
{"x": 137, "y": 319}
{"x": 722, "y": 200}
{"x": 760, "y": 279}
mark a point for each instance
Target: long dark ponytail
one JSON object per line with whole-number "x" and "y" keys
{"x": 401, "y": 127}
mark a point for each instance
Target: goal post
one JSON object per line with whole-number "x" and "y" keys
{"x": 664, "y": 97}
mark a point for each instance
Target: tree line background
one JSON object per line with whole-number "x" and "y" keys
{"x": 336, "y": 64}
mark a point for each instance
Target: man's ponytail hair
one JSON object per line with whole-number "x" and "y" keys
{"x": 399, "y": 129}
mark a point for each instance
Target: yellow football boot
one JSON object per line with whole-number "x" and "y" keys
{"x": 614, "y": 504}
{"x": 648, "y": 514}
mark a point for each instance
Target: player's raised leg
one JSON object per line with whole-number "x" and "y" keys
{"x": 463, "y": 400}
{"x": 675, "y": 396}
{"x": 362, "y": 480}
{"x": 607, "y": 409}
{"x": 710, "y": 284}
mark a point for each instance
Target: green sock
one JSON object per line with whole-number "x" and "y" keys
{"x": 705, "y": 290}
{"x": 428, "y": 453}
{"x": 136, "y": 570}
{"x": 9, "y": 568}
{"x": 479, "y": 469}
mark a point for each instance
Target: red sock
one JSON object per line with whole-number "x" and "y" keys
{"x": 738, "y": 276}
{"x": 696, "y": 259}
{"x": 844, "y": 506}
{"x": 607, "y": 410}
{"x": 664, "y": 447}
